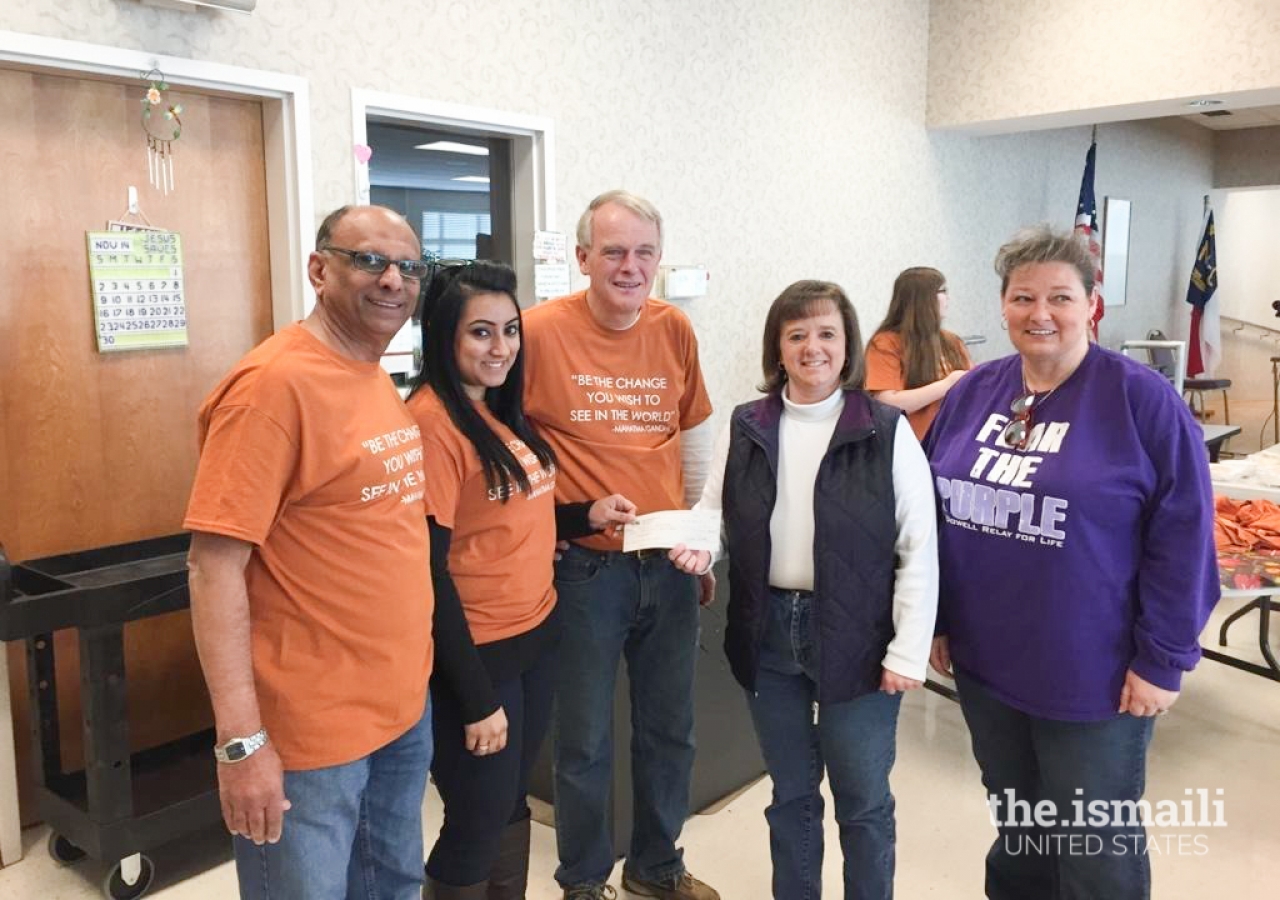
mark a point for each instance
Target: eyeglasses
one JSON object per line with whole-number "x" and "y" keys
{"x": 1018, "y": 431}
{"x": 438, "y": 264}
{"x": 376, "y": 263}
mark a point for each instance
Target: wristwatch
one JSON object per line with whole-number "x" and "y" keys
{"x": 240, "y": 748}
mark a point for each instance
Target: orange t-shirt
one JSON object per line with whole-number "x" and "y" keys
{"x": 500, "y": 554}
{"x": 612, "y": 404}
{"x": 886, "y": 371}
{"x": 313, "y": 458}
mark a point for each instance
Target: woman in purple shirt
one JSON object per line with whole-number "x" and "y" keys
{"x": 1077, "y": 569}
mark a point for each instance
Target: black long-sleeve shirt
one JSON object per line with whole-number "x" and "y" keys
{"x": 469, "y": 671}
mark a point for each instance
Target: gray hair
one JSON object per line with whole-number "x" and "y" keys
{"x": 627, "y": 200}
{"x": 1042, "y": 244}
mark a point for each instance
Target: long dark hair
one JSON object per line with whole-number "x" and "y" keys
{"x": 442, "y": 304}
{"x": 928, "y": 351}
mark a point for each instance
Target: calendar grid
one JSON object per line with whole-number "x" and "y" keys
{"x": 138, "y": 289}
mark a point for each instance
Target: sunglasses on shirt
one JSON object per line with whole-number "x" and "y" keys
{"x": 1018, "y": 432}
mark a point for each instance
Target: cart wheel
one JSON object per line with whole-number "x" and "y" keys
{"x": 64, "y": 852}
{"x": 115, "y": 888}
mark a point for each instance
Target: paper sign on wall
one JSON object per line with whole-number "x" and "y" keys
{"x": 550, "y": 280}
{"x": 550, "y": 246}
{"x": 137, "y": 284}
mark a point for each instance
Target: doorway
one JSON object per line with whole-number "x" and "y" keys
{"x": 476, "y": 183}
{"x": 454, "y": 187}
{"x": 519, "y": 193}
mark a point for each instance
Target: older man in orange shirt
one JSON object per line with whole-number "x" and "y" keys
{"x": 310, "y": 593}
{"x": 613, "y": 384}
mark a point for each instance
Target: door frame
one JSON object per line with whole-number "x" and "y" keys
{"x": 533, "y": 185}
{"x": 287, "y": 151}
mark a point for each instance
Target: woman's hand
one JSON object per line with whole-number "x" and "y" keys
{"x": 692, "y": 562}
{"x": 953, "y": 376}
{"x": 610, "y": 512}
{"x": 1140, "y": 697}
{"x": 488, "y": 736}
{"x": 706, "y": 589}
{"x": 893, "y": 683}
{"x": 940, "y": 656}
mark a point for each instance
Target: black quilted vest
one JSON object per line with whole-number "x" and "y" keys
{"x": 854, "y": 536}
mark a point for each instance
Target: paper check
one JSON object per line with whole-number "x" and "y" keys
{"x": 696, "y": 529}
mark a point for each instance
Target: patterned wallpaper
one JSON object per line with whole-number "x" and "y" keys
{"x": 1000, "y": 59}
{"x": 781, "y": 140}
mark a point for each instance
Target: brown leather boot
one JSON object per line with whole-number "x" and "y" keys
{"x": 509, "y": 877}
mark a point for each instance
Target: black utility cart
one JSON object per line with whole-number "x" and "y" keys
{"x": 120, "y": 804}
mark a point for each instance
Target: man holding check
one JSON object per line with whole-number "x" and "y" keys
{"x": 614, "y": 385}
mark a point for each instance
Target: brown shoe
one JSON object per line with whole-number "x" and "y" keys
{"x": 678, "y": 887}
{"x": 590, "y": 892}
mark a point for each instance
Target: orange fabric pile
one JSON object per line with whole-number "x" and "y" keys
{"x": 1240, "y": 526}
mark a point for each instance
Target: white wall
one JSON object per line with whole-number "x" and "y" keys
{"x": 780, "y": 140}
{"x": 1247, "y": 240}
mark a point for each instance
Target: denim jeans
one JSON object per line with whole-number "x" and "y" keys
{"x": 354, "y": 831}
{"x": 614, "y": 605}
{"x": 483, "y": 794}
{"x": 854, "y": 741}
{"x": 1045, "y": 759}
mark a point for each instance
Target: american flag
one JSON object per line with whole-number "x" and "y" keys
{"x": 1087, "y": 225}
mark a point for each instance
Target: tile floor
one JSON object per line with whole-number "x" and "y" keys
{"x": 1224, "y": 733}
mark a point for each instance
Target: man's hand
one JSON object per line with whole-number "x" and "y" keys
{"x": 610, "y": 512}
{"x": 1140, "y": 697}
{"x": 252, "y": 796}
{"x": 940, "y": 656}
{"x": 488, "y": 736}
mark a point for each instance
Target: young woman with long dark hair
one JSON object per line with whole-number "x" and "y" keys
{"x": 490, "y": 498}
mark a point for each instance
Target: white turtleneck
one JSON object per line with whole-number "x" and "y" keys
{"x": 804, "y": 437}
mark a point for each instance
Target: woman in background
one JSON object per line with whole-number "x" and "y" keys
{"x": 911, "y": 361}
{"x": 490, "y": 498}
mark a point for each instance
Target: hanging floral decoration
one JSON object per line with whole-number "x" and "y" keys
{"x": 162, "y": 122}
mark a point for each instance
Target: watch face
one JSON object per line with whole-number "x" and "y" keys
{"x": 235, "y": 751}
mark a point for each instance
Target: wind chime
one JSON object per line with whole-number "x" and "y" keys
{"x": 161, "y": 122}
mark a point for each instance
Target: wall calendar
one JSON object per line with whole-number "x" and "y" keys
{"x": 137, "y": 283}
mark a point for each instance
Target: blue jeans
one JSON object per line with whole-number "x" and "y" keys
{"x": 614, "y": 605}
{"x": 484, "y": 794}
{"x": 1045, "y": 759}
{"x": 354, "y": 832}
{"x": 855, "y": 742}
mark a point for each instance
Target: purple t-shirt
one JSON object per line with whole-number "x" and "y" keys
{"x": 1088, "y": 553}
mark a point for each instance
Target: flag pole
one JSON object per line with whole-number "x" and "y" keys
{"x": 1093, "y": 135}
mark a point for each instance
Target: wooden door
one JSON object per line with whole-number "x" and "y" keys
{"x": 100, "y": 448}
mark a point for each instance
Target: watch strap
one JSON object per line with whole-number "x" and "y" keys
{"x": 239, "y": 749}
